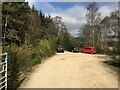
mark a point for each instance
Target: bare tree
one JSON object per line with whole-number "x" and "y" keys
{"x": 61, "y": 27}
{"x": 93, "y": 20}
{"x": 114, "y": 23}
{"x": 105, "y": 29}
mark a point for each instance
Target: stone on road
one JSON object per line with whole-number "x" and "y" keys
{"x": 71, "y": 70}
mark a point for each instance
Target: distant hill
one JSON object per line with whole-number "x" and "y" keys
{"x": 81, "y": 39}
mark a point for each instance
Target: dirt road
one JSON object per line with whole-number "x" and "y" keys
{"x": 72, "y": 70}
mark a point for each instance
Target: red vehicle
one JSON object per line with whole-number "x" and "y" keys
{"x": 90, "y": 50}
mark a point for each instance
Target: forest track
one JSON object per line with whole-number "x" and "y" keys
{"x": 72, "y": 70}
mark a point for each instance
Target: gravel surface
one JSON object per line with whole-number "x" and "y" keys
{"x": 72, "y": 70}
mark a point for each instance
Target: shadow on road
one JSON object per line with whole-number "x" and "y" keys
{"x": 114, "y": 63}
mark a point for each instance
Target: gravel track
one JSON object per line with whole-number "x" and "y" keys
{"x": 72, "y": 70}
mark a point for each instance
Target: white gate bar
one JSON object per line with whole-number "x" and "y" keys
{"x": 4, "y": 69}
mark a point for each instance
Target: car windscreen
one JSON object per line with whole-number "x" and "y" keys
{"x": 60, "y": 46}
{"x": 76, "y": 48}
{"x": 88, "y": 48}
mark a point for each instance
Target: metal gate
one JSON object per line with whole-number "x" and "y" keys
{"x": 3, "y": 71}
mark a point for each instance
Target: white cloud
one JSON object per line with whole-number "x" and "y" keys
{"x": 48, "y": 6}
{"x": 107, "y": 9}
{"x": 74, "y": 17}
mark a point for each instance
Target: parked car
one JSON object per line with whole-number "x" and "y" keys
{"x": 75, "y": 49}
{"x": 60, "y": 48}
{"x": 90, "y": 50}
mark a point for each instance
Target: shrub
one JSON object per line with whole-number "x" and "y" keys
{"x": 41, "y": 50}
{"x": 22, "y": 58}
{"x": 19, "y": 62}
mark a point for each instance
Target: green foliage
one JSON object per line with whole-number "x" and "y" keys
{"x": 118, "y": 44}
{"x": 67, "y": 42}
{"x": 41, "y": 50}
{"x": 28, "y": 37}
{"x": 14, "y": 15}
{"x": 20, "y": 60}
{"x": 44, "y": 45}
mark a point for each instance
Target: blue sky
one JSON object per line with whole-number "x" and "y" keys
{"x": 73, "y": 13}
{"x": 66, "y": 5}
